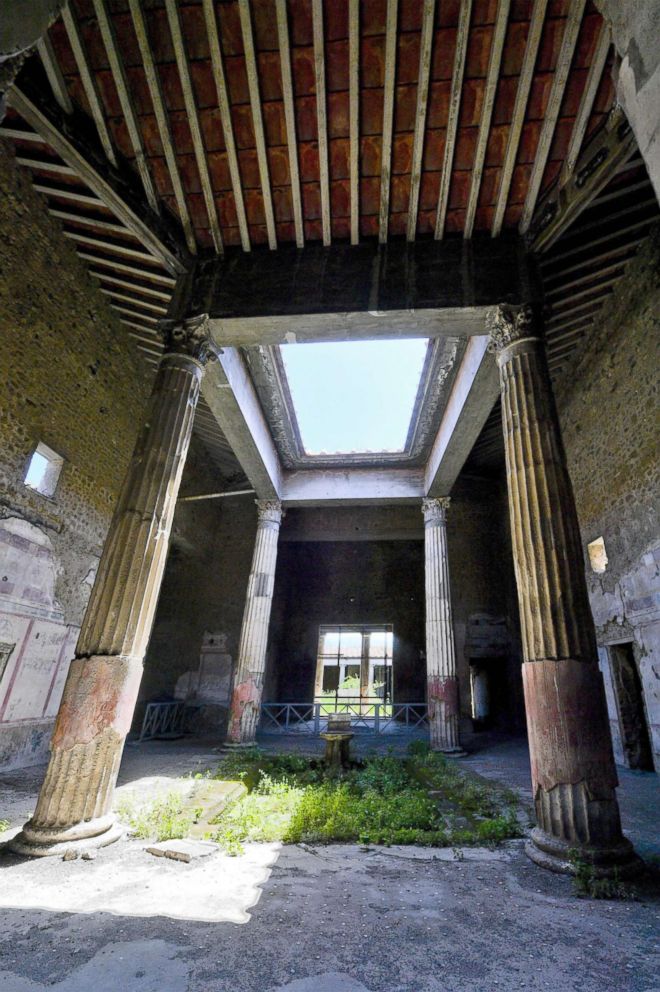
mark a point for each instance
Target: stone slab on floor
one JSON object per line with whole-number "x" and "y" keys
{"x": 182, "y": 850}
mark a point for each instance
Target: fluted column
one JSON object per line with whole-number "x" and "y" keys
{"x": 74, "y": 805}
{"x": 442, "y": 683}
{"x": 251, "y": 664}
{"x": 573, "y": 773}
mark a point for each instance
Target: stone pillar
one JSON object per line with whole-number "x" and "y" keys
{"x": 74, "y": 805}
{"x": 442, "y": 684}
{"x": 251, "y": 664}
{"x": 573, "y": 773}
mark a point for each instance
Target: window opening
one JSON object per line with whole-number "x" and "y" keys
{"x": 44, "y": 469}
{"x": 354, "y": 669}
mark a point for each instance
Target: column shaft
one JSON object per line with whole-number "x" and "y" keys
{"x": 573, "y": 773}
{"x": 442, "y": 683}
{"x": 74, "y": 805}
{"x": 248, "y": 686}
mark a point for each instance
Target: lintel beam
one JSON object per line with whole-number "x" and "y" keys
{"x": 232, "y": 399}
{"x": 352, "y": 486}
{"x": 473, "y": 395}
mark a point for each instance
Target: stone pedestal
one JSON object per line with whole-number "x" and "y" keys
{"x": 573, "y": 773}
{"x": 442, "y": 684}
{"x": 251, "y": 664}
{"x": 74, "y": 806}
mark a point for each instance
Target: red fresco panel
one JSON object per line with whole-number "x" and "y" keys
{"x": 311, "y": 197}
{"x": 306, "y": 126}
{"x": 372, "y": 62}
{"x": 248, "y": 165}
{"x": 269, "y": 71}
{"x": 370, "y": 156}
{"x": 302, "y": 69}
{"x": 405, "y": 108}
{"x": 338, "y": 115}
{"x": 371, "y": 112}
{"x": 278, "y": 166}
{"x": 339, "y": 150}
{"x": 308, "y": 162}
{"x": 478, "y": 52}
{"x": 237, "y": 82}
{"x": 336, "y": 66}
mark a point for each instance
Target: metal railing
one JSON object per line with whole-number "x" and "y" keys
{"x": 312, "y": 718}
{"x": 165, "y": 720}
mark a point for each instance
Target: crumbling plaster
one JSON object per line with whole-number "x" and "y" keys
{"x": 70, "y": 377}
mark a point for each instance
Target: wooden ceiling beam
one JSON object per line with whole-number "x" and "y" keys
{"x": 454, "y": 109}
{"x": 88, "y": 81}
{"x": 594, "y": 260}
{"x": 135, "y": 313}
{"x": 519, "y": 110}
{"x": 116, "y": 266}
{"x": 133, "y": 286}
{"x": 162, "y": 120}
{"x": 102, "y": 225}
{"x": 171, "y": 7}
{"x": 290, "y": 117}
{"x": 492, "y": 80}
{"x": 68, "y": 193}
{"x": 54, "y": 73}
{"x": 354, "y": 115}
{"x": 423, "y": 77}
{"x": 257, "y": 118}
{"x": 225, "y": 119}
{"x": 321, "y": 118}
{"x": 123, "y": 92}
{"x": 562, "y": 69}
{"x": 45, "y": 165}
{"x": 114, "y": 294}
{"x": 115, "y": 188}
{"x": 388, "y": 119}
{"x": 583, "y": 116}
{"x": 111, "y": 246}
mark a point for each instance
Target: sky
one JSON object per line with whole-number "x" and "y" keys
{"x": 354, "y": 395}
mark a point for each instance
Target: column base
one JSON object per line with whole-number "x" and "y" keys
{"x": 556, "y": 854}
{"x": 451, "y": 752}
{"x": 42, "y": 843}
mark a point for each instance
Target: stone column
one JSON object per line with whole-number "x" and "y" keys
{"x": 573, "y": 774}
{"x": 74, "y": 805}
{"x": 442, "y": 684}
{"x": 251, "y": 664}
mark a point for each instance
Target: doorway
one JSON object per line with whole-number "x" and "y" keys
{"x": 629, "y": 695}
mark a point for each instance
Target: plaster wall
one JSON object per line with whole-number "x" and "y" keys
{"x": 69, "y": 377}
{"x": 609, "y": 410}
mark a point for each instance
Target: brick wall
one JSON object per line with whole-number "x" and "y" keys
{"x": 69, "y": 377}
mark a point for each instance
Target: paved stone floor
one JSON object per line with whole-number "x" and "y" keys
{"x": 321, "y": 919}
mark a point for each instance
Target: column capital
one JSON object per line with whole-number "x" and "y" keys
{"x": 435, "y": 509}
{"x": 269, "y": 511}
{"x": 190, "y": 338}
{"x": 508, "y": 324}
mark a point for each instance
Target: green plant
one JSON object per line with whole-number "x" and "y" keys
{"x": 163, "y": 819}
{"x": 4, "y": 825}
{"x": 383, "y": 799}
{"x": 588, "y": 885}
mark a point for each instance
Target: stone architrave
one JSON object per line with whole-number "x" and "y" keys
{"x": 74, "y": 805}
{"x": 573, "y": 773}
{"x": 245, "y": 704}
{"x": 442, "y": 683}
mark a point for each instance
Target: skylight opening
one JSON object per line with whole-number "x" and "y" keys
{"x": 354, "y": 397}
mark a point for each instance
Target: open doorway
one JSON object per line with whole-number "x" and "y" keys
{"x": 630, "y": 706}
{"x": 493, "y": 707}
{"x": 354, "y": 669}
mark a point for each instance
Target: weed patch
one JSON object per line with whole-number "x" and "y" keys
{"x": 163, "y": 819}
{"x": 420, "y": 799}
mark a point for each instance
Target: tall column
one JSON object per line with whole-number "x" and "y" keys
{"x": 74, "y": 805}
{"x": 251, "y": 665}
{"x": 442, "y": 684}
{"x": 573, "y": 773}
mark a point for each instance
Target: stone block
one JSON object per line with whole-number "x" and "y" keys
{"x": 182, "y": 850}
